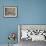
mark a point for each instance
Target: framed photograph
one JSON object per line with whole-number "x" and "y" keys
{"x": 33, "y": 32}
{"x": 10, "y": 11}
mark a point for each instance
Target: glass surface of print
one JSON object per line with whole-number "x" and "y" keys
{"x": 10, "y": 11}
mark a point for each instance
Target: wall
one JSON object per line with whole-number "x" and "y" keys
{"x": 32, "y": 11}
{"x": 29, "y": 12}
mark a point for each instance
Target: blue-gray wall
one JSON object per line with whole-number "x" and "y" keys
{"x": 29, "y": 12}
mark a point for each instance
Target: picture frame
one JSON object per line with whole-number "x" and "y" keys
{"x": 10, "y": 11}
{"x": 39, "y": 32}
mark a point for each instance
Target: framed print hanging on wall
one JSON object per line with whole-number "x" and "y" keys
{"x": 10, "y": 11}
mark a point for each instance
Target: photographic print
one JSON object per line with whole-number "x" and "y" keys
{"x": 10, "y": 11}
{"x": 32, "y": 32}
